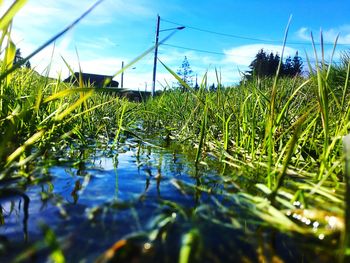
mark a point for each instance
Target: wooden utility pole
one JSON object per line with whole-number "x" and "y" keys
{"x": 155, "y": 56}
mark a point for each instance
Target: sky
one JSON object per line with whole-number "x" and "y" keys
{"x": 222, "y": 36}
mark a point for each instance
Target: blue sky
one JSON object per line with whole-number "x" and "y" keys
{"x": 120, "y": 30}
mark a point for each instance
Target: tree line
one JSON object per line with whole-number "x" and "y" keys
{"x": 264, "y": 65}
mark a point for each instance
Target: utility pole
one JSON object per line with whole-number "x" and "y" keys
{"x": 122, "y": 76}
{"x": 155, "y": 57}
{"x": 156, "y": 51}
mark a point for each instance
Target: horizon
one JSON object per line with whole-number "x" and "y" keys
{"x": 214, "y": 37}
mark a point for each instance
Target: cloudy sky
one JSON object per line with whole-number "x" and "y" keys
{"x": 222, "y": 35}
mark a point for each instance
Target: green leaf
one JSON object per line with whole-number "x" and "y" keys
{"x": 47, "y": 43}
{"x": 189, "y": 242}
{"x": 11, "y": 12}
{"x": 74, "y": 106}
{"x": 9, "y": 57}
{"x": 33, "y": 139}
{"x": 177, "y": 77}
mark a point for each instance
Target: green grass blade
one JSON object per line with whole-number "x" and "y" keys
{"x": 345, "y": 244}
{"x": 189, "y": 244}
{"x": 291, "y": 146}
{"x": 33, "y": 139}
{"x": 9, "y": 58}
{"x": 138, "y": 58}
{"x": 177, "y": 77}
{"x": 120, "y": 124}
{"x": 271, "y": 117}
{"x": 323, "y": 101}
{"x": 11, "y": 12}
{"x": 345, "y": 85}
{"x": 66, "y": 92}
{"x": 332, "y": 56}
{"x": 75, "y": 105}
{"x": 50, "y": 41}
{"x": 322, "y": 51}
{"x": 285, "y": 107}
{"x": 202, "y": 134}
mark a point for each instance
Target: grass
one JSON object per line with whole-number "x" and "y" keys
{"x": 306, "y": 129}
{"x": 285, "y": 135}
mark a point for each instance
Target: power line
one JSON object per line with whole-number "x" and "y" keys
{"x": 220, "y": 53}
{"x": 245, "y": 37}
{"x": 194, "y": 49}
{"x": 222, "y": 34}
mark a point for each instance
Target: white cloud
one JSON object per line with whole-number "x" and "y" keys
{"x": 201, "y": 64}
{"x": 303, "y": 33}
{"x": 95, "y": 45}
{"x": 329, "y": 35}
{"x": 45, "y": 14}
{"x": 244, "y": 55}
{"x": 48, "y": 13}
{"x": 41, "y": 19}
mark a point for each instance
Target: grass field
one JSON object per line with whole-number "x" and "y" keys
{"x": 288, "y": 136}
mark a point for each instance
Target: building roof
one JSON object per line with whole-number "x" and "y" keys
{"x": 92, "y": 79}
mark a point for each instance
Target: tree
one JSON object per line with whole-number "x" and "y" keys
{"x": 186, "y": 74}
{"x": 28, "y": 65}
{"x": 297, "y": 64}
{"x": 19, "y": 58}
{"x": 212, "y": 87}
{"x": 266, "y": 65}
{"x": 273, "y": 64}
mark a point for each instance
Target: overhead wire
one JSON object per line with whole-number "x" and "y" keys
{"x": 233, "y": 36}
{"x": 246, "y": 37}
{"x": 195, "y": 49}
{"x": 221, "y": 53}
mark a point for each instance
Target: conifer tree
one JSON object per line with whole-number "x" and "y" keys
{"x": 186, "y": 74}
{"x": 265, "y": 65}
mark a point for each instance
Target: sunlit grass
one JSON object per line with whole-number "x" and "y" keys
{"x": 308, "y": 125}
{"x": 284, "y": 135}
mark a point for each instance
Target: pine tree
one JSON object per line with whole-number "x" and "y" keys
{"x": 288, "y": 67}
{"x": 297, "y": 64}
{"x": 18, "y": 58}
{"x": 186, "y": 74}
{"x": 265, "y": 65}
{"x": 28, "y": 65}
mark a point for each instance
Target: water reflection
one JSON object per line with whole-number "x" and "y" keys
{"x": 97, "y": 197}
{"x": 8, "y": 199}
{"x": 134, "y": 172}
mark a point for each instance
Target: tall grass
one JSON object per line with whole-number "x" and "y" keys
{"x": 302, "y": 118}
{"x": 37, "y": 111}
{"x": 270, "y": 127}
{"x": 284, "y": 134}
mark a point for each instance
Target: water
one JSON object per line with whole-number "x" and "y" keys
{"x": 145, "y": 194}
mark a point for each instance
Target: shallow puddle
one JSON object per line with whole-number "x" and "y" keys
{"x": 150, "y": 197}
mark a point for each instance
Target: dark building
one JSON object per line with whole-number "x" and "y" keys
{"x": 95, "y": 80}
